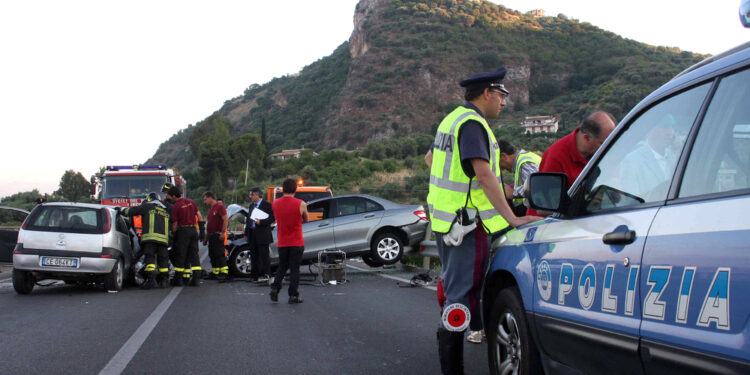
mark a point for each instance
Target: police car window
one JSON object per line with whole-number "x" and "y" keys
{"x": 639, "y": 165}
{"x": 720, "y": 159}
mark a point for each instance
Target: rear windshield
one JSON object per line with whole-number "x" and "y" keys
{"x": 307, "y": 195}
{"x": 66, "y": 219}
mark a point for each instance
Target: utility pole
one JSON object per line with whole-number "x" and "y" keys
{"x": 247, "y": 166}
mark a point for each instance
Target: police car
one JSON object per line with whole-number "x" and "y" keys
{"x": 645, "y": 265}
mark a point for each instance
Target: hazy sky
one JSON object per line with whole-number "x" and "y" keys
{"x": 85, "y": 84}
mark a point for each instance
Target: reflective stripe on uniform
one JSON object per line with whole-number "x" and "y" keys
{"x": 449, "y": 185}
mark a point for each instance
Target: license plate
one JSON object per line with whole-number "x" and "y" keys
{"x": 60, "y": 262}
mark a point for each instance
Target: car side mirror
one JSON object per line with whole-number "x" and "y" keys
{"x": 745, "y": 13}
{"x": 547, "y": 191}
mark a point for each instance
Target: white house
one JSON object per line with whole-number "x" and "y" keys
{"x": 540, "y": 124}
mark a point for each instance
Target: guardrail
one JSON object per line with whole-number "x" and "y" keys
{"x": 428, "y": 247}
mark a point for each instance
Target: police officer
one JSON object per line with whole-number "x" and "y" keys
{"x": 466, "y": 202}
{"x": 154, "y": 238}
{"x": 522, "y": 164}
{"x": 184, "y": 214}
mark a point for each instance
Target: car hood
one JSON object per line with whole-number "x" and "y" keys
{"x": 236, "y": 209}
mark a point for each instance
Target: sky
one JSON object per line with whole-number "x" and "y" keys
{"x": 84, "y": 84}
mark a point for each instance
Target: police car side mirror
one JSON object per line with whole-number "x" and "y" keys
{"x": 745, "y": 13}
{"x": 548, "y": 191}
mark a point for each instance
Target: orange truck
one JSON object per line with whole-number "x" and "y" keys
{"x": 305, "y": 193}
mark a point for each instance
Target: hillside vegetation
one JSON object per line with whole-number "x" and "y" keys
{"x": 382, "y": 93}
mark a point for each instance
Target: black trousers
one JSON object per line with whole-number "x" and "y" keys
{"x": 216, "y": 251}
{"x": 156, "y": 254}
{"x": 290, "y": 258}
{"x": 186, "y": 250}
{"x": 260, "y": 259}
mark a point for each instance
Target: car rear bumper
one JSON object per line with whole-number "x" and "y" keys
{"x": 415, "y": 232}
{"x": 86, "y": 264}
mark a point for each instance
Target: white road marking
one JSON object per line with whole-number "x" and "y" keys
{"x": 120, "y": 361}
{"x": 391, "y": 277}
{"x": 4, "y": 280}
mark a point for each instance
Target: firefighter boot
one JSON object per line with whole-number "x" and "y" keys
{"x": 177, "y": 279}
{"x": 196, "y": 279}
{"x": 451, "y": 352}
{"x": 163, "y": 279}
{"x": 150, "y": 281}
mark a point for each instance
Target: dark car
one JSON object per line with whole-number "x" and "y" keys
{"x": 376, "y": 229}
{"x": 11, "y": 219}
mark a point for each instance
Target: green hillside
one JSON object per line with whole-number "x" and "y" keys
{"x": 397, "y": 76}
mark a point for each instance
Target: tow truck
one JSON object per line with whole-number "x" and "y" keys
{"x": 305, "y": 193}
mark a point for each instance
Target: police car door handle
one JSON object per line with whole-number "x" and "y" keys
{"x": 619, "y": 238}
{"x": 323, "y": 224}
{"x": 369, "y": 216}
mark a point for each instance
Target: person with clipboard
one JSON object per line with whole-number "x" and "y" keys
{"x": 258, "y": 235}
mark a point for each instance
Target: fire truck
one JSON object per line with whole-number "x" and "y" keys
{"x": 129, "y": 185}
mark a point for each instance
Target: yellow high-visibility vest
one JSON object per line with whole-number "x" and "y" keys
{"x": 448, "y": 182}
{"x": 521, "y": 159}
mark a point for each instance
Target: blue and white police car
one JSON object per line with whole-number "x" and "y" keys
{"x": 645, "y": 265}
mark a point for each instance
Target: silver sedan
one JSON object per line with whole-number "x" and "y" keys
{"x": 374, "y": 228}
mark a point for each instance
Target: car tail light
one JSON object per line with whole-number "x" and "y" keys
{"x": 106, "y": 256}
{"x": 421, "y": 214}
{"x": 107, "y": 224}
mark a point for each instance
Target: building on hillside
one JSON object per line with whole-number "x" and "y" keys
{"x": 537, "y": 12}
{"x": 288, "y": 154}
{"x": 540, "y": 124}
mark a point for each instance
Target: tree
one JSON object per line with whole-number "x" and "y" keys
{"x": 73, "y": 186}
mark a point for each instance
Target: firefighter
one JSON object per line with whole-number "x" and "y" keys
{"x": 154, "y": 238}
{"x": 216, "y": 228}
{"x": 184, "y": 214}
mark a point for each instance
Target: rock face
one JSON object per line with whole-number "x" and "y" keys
{"x": 398, "y": 74}
{"x": 358, "y": 45}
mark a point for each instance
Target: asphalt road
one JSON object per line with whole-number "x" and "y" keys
{"x": 369, "y": 325}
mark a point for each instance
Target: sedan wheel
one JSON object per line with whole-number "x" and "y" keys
{"x": 239, "y": 263}
{"x": 387, "y": 249}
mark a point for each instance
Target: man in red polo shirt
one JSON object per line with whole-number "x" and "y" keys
{"x": 571, "y": 153}
{"x": 216, "y": 231}
{"x": 290, "y": 213}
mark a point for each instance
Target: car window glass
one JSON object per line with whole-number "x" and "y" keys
{"x": 372, "y": 206}
{"x": 639, "y": 165}
{"x": 720, "y": 159}
{"x": 121, "y": 226}
{"x": 319, "y": 210}
{"x": 350, "y": 206}
{"x": 66, "y": 219}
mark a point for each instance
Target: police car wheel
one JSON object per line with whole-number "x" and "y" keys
{"x": 510, "y": 346}
{"x": 239, "y": 262}
{"x": 387, "y": 249}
